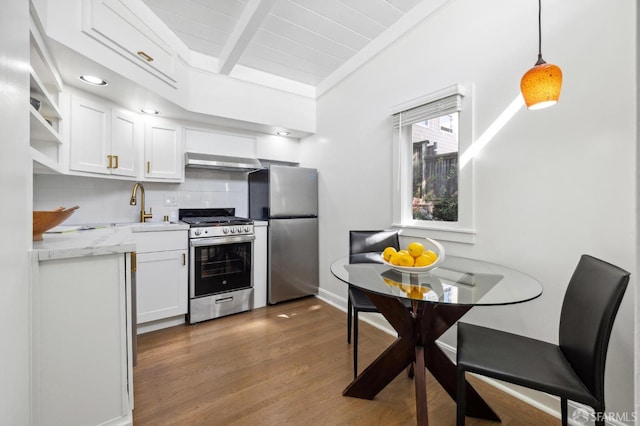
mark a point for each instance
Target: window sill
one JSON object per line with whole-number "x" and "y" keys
{"x": 440, "y": 233}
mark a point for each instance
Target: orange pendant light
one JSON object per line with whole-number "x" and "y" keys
{"x": 541, "y": 85}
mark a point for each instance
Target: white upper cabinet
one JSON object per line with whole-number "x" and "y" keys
{"x": 126, "y": 138}
{"x": 90, "y": 139}
{"x": 116, "y": 25}
{"x": 163, "y": 151}
{"x": 210, "y": 142}
{"x": 278, "y": 148}
{"x": 103, "y": 139}
{"x": 114, "y": 142}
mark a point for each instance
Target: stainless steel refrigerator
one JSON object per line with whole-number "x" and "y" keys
{"x": 287, "y": 197}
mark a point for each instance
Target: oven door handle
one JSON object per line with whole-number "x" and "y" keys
{"x": 202, "y": 242}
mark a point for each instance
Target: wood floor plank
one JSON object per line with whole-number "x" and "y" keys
{"x": 285, "y": 364}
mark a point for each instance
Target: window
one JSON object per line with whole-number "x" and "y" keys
{"x": 433, "y": 192}
{"x": 435, "y": 169}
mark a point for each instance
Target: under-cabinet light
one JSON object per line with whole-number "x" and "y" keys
{"x": 149, "y": 111}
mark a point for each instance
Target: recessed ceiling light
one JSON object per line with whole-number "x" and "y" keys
{"x": 149, "y": 111}
{"x": 90, "y": 79}
{"x": 282, "y": 133}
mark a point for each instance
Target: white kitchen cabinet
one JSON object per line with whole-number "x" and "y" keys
{"x": 163, "y": 153}
{"x": 161, "y": 275}
{"x": 260, "y": 265}
{"x": 45, "y": 85}
{"x": 90, "y": 138}
{"x": 81, "y": 340}
{"x": 103, "y": 139}
{"x": 117, "y": 25}
{"x": 126, "y": 138}
{"x": 210, "y": 142}
{"x": 278, "y": 148}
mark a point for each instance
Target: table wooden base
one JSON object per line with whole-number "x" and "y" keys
{"x": 418, "y": 331}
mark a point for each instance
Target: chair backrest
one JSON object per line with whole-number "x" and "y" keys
{"x": 588, "y": 311}
{"x": 372, "y": 241}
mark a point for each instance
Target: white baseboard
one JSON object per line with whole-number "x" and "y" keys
{"x": 160, "y": 324}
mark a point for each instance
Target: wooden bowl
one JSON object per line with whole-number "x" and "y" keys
{"x": 45, "y": 220}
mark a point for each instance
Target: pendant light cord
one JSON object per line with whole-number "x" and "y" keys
{"x": 540, "y": 60}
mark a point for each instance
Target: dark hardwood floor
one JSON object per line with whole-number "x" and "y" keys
{"x": 285, "y": 364}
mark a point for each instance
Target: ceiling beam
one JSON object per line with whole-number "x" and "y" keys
{"x": 246, "y": 27}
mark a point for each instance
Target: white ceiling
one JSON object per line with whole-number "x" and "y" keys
{"x": 301, "y": 40}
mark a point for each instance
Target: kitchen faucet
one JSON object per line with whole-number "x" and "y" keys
{"x": 143, "y": 214}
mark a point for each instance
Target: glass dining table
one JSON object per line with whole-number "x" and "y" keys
{"x": 440, "y": 297}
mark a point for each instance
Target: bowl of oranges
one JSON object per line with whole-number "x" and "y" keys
{"x": 416, "y": 258}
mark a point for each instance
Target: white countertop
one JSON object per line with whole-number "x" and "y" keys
{"x": 75, "y": 242}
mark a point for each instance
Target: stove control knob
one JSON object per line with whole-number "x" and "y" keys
{"x": 239, "y": 229}
{"x": 197, "y": 232}
{"x": 225, "y": 230}
{"x": 247, "y": 229}
{"x": 233, "y": 231}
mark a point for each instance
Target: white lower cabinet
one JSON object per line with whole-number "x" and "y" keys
{"x": 162, "y": 286}
{"x": 161, "y": 275}
{"x": 81, "y": 340}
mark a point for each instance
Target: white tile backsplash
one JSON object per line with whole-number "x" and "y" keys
{"x": 107, "y": 200}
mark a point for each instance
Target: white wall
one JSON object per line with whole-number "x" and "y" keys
{"x": 553, "y": 184}
{"x": 15, "y": 216}
{"x": 107, "y": 201}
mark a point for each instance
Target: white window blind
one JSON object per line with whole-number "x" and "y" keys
{"x": 433, "y": 109}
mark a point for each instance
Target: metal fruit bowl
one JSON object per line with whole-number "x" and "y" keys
{"x": 45, "y": 220}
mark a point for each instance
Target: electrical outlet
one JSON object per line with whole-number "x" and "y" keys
{"x": 170, "y": 200}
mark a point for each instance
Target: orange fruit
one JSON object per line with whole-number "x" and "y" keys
{"x": 386, "y": 254}
{"x": 424, "y": 260}
{"x": 395, "y": 258}
{"x": 406, "y": 260}
{"x": 432, "y": 254}
{"x": 415, "y": 249}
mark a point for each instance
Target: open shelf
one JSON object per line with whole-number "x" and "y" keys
{"x": 41, "y": 130}
{"x": 45, "y": 85}
{"x": 42, "y": 63}
{"x": 43, "y": 164}
{"x": 48, "y": 105}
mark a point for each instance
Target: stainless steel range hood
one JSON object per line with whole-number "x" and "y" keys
{"x": 221, "y": 162}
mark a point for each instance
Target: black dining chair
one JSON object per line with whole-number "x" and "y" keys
{"x": 357, "y": 300}
{"x": 573, "y": 369}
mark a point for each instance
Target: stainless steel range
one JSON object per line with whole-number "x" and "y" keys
{"x": 220, "y": 263}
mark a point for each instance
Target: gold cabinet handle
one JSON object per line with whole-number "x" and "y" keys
{"x": 134, "y": 261}
{"x": 144, "y": 56}
{"x": 184, "y": 259}
{"x": 148, "y": 166}
{"x": 110, "y": 157}
{"x": 117, "y": 163}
